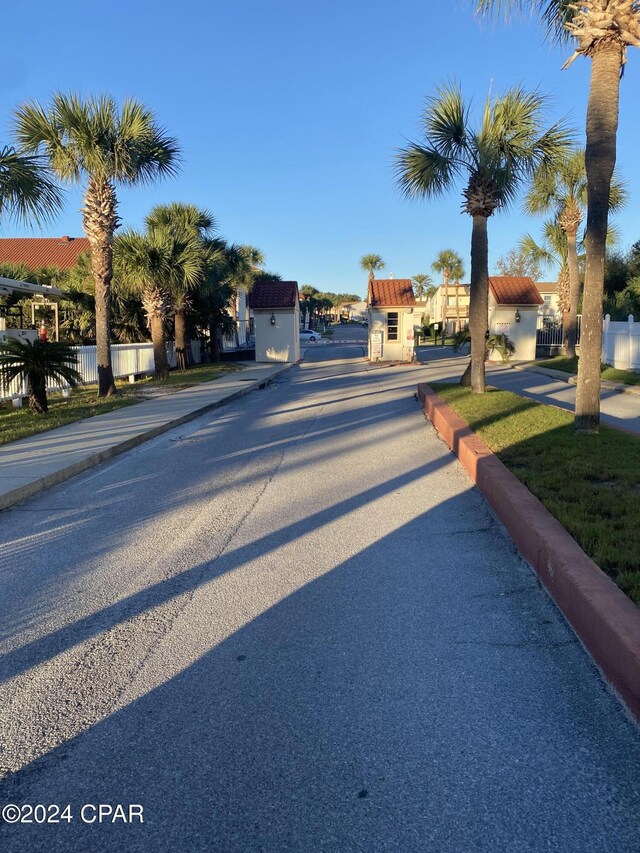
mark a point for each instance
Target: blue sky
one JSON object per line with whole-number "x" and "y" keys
{"x": 289, "y": 115}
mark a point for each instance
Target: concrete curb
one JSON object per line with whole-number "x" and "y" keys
{"x": 605, "y": 620}
{"x": 28, "y": 490}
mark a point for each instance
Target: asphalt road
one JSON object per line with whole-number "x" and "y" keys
{"x": 294, "y": 625}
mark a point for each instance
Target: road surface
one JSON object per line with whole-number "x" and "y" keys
{"x": 294, "y": 625}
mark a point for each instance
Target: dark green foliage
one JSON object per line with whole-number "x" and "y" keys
{"x": 39, "y": 363}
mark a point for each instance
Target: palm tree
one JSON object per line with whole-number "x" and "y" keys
{"x": 185, "y": 223}
{"x": 562, "y": 191}
{"x": 371, "y": 263}
{"x": 451, "y": 266}
{"x": 602, "y": 29}
{"x": 26, "y": 191}
{"x": 493, "y": 160}
{"x": 421, "y": 283}
{"x": 95, "y": 143}
{"x": 38, "y": 363}
{"x": 155, "y": 265}
{"x": 554, "y": 249}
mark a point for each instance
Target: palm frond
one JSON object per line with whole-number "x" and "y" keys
{"x": 424, "y": 171}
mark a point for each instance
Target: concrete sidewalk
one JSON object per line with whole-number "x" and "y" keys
{"x": 33, "y": 464}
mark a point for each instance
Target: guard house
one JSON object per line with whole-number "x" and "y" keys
{"x": 276, "y": 319}
{"x": 514, "y": 302}
{"x": 391, "y": 304}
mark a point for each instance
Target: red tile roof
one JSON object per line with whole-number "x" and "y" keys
{"x": 273, "y": 294}
{"x": 547, "y": 286}
{"x": 37, "y": 252}
{"x": 514, "y": 290}
{"x": 390, "y": 293}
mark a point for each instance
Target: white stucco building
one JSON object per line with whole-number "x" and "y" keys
{"x": 514, "y": 302}
{"x": 391, "y": 310}
{"x": 276, "y": 317}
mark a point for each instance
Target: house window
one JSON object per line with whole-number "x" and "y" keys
{"x": 547, "y": 299}
{"x": 392, "y": 326}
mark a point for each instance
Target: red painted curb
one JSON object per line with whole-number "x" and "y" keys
{"x": 605, "y": 620}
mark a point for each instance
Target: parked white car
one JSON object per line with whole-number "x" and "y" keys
{"x": 309, "y": 335}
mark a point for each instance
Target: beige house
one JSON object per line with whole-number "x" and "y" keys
{"x": 449, "y": 305}
{"x": 514, "y": 302}
{"x": 391, "y": 308}
{"x": 276, "y": 317}
{"x": 548, "y": 290}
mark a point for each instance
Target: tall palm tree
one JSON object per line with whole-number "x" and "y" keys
{"x": 562, "y": 191}
{"x": 602, "y": 29}
{"x": 26, "y": 189}
{"x": 451, "y": 266}
{"x": 371, "y": 263}
{"x": 38, "y": 363}
{"x": 421, "y": 282}
{"x": 492, "y": 160}
{"x": 95, "y": 143}
{"x": 185, "y": 223}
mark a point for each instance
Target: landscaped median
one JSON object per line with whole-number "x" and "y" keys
{"x": 558, "y": 493}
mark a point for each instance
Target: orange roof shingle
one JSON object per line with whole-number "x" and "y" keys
{"x": 547, "y": 286}
{"x": 514, "y": 290}
{"x": 390, "y": 293}
{"x": 273, "y": 294}
{"x": 37, "y": 252}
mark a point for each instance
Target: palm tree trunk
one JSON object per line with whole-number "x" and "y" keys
{"x": 478, "y": 300}
{"x": 183, "y": 344}
{"x": 100, "y": 220}
{"x": 156, "y": 322}
{"x": 37, "y": 391}
{"x": 574, "y": 295}
{"x": 600, "y": 158}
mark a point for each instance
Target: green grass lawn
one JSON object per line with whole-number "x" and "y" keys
{"x": 570, "y": 365}
{"x": 84, "y": 402}
{"x": 590, "y": 483}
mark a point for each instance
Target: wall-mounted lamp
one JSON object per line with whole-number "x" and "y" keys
{"x": 518, "y": 318}
{"x": 273, "y": 319}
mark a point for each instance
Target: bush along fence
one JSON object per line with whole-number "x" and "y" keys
{"x": 621, "y": 343}
{"x": 128, "y": 360}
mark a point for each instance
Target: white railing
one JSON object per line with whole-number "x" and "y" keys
{"x": 621, "y": 343}
{"x": 126, "y": 359}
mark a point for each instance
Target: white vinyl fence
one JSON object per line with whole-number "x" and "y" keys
{"x": 127, "y": 360}
{"x": 621, "y": 343}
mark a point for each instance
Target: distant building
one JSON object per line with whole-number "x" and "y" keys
{"x": 449, "y": 305}
{"x": 548, "y": 290}
{"x": 514, "y": 302}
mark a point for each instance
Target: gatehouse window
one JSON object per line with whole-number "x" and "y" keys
{"x": 392, "y": 326}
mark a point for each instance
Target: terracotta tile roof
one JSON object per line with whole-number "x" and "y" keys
{"x": 273, "y": 294}
{"x": 514, "y": 290}
{"x": 37, "y": 252}
{"x": 390, "y": 292}
{"x": 547, "y": 286}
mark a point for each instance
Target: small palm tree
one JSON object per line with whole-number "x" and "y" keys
{"x": 149, "y": 265}
{"x": 562, "y": 191}
{"x": 95, "y": 143}
{"x": 39, "y": 363}
{"x": 603, "y": 30}
{"x": 421, "y": 282}
{"x": 188, "y": 227}
{"x": 494, "y": 160}
{"x": 371, "y": 263}
{"x": 500, "y": 343}
{"x": 451, "y": 266}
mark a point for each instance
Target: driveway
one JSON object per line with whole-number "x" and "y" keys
{"x": 294, "y": 625}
